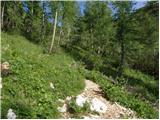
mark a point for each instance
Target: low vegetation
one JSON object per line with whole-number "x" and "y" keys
{"x": 27, "y": 88}
{"x": 116, "y": 93}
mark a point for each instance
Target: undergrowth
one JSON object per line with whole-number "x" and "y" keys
{"x": 142, "y": 88}
{"x": 27, "y": 89}
{"x": 117, "y": 93}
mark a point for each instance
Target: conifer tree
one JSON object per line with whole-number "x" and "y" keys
{"x": 122, "y": 15}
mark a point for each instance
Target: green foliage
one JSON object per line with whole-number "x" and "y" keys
{"x": 116, "y": 93}
{"x": 33, "y": 21}
{"x": 105, "y": 41}
{"x": 144, "y": 51}
{"x": 13, "y": 16}
{"x": 27, "y": 89}
{"x": 145, "y": 86}
{"x": 94, "y": 30}
{"x": 98, "y": 31}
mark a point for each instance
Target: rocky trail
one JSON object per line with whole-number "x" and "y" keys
{"x": 105, "y": 109}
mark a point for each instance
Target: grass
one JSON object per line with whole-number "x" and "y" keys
{"x": 27, "y": 89}
{"x": 145, "y": 86}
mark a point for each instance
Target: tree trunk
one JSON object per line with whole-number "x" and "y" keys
{"x": 32, "y": 8}
{"x": 59, "y": 36}
{"x": 2, "y": 15}
{"x": 54, "y": 31}
{"x": 68, "y": 35}
{"x": 61, "y": 31}
{"x": 91, "y": 36}
{"x": 42, "y": 28}
{"x": 121, "y": 65}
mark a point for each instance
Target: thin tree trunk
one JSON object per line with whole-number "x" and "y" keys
{"x": 42, "y": 28}
{"x": 69, "y": 31}
{"x": 32, "y": 8}
{"x": 121, "y": 65}
{"x": 61, "y": 31}
{"x": 2, "y": 15}
{"x": 54, "y": 31}
{"x": 91, "y": 36}
{"x": 59, "y": 36}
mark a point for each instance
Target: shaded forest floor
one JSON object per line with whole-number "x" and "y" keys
{"x": 37, "y": 81}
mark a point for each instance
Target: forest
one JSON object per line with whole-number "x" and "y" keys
{"x": 53, "y": 49}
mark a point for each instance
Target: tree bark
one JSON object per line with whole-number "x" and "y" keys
{"x": 32, "y": 8}
{"x": 59, "y": 36}
{"x": 68, "y": 35}
{"x": 61, "y": 31}
{"x": 43, "y": 27}
{"x": 54, "y": 31}
{"x": 121, "y": 65}
{"x": 2, "y": 14}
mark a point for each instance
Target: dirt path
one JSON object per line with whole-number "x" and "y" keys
{"x": 91, "y": 93}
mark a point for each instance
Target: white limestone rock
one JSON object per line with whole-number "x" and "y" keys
{"x": 68, "y": 98}
{"x": 97, "y": 105}
{"x": 80, "y": 100}
{"x": 86, "y": 117}
{"x": 51, "y": 85}
{"x": 11, "y": 114}
{"x": 62, "y": 109}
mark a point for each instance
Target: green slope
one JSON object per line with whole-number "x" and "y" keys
{"x": 27, "y": 89}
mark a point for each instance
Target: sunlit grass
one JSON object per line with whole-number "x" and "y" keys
{"x": 27, "y": 89}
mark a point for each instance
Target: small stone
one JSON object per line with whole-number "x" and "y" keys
{"x": 94, "y": 116}
{"x": 51, "y": 85}
{"x": 86, "y": 117}
{"x": 97, "y": 105}
{"x": 68, "y": 98}
{"x": 60, "y": 100}
{"x": 62, "y": 109}
{"x": 80, "y": 100}
{"x": 5, "y": 68}
{"x": 11, "y": 114}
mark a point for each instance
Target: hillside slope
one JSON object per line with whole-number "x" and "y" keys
{"x": 27, "y": 89}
